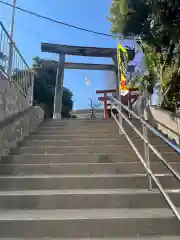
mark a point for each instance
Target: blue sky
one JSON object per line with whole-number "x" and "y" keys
{"x": 30, "y": 31}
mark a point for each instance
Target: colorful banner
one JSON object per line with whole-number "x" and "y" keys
{"x": 123, "y": 66}
{"x": 123, "y": 86}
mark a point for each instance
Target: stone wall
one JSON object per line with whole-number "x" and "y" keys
{"x": 17, "y": 118}
{"x": 12, "y": 99}
{"x": 15, "y": 128}
{"x": 165, "y": 121}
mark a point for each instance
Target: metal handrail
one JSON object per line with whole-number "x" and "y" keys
{"x": 158, "y": 154}
{"x": 147, "y": 145}
{"x": 10, "y": 39}
{"x": 151, "y": 128}
{"x": 19, "y": 72}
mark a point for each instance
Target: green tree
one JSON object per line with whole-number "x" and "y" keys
{"x": 44, "y": 87}
{"x": 156, "y": 24}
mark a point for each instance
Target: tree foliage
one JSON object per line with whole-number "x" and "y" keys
{"x": 125, "y": 17}
{"x": 44, "y": 87}
{"x": 156, "y": 23}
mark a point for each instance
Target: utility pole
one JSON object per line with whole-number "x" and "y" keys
{"x": 11, "y": 43}
{"x": 12, "y": 19}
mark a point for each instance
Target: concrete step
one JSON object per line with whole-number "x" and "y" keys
{"x": 88, "y": 131}
{"x": 80, "y": 123}
{"x": 108, "y": 129}
{"x": 72, "y": 136}
{"x": 116, "y": 141}
{"x": 85, "y": 199}
{"x": 89, "y": 149}
{"x": 94, "y": 150}
{"x": 92, "y": 137}
{"x": 104, "y": 238}
{"x": 88, "y": 223}
{"x": 86, "y": 141}
{"x": 67, "y": 158}
{"x": 98, "y": 126}
{"x": 78, "y": 131}
{"x": 30, "y": 158}
{"x": 96, "y": 181}
{"x": 74, "y": 149}
{"x": 83, "y": 168}
{"x": 99, "y": 139}
{"x": 76, "y": 142}
{"x": 86, "y": 125}
{"x": 101, "y": 127}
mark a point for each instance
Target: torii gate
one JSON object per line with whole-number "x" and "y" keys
{"x": 132, "y": 94}
{"x": 63, "y": 50}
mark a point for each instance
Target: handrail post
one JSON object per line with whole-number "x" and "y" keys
{"x": 111, "y": 110}
{"x": 118, "y": 98}
{"x": 10, "y": 60}
{"x": 11, "y": 43}
{"x": 31, "y": 88}
{"x": 120, "y": 116}
{"x": 118, "y": 93}
{"x": 146, "y": 155}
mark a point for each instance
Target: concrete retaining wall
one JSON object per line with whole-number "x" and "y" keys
{"x": 15, "y": 128}
{"x": 166, "y": 122}
{"x": 11, "y": 98}
{"x": 17, "y": 118}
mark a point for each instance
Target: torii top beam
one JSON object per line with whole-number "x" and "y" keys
{"x": 78, "y": 51}
{"x": 82, "y": 51}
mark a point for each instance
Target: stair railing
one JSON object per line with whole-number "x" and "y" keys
{"x": 119, "y": 106}
{"x": 13, "y": 66}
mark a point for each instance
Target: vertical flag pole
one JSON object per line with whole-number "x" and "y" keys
{"x": 11, "y": 43}
{"x": 119, "y": 97}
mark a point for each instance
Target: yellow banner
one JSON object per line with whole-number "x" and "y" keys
{"x": 122, "y": 50}
{"x": 123, "y": 64}
{"x": 123, "y": 83}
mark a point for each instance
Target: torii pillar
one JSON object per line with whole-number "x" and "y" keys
{"x": 59, "y": 87}
{"x": 105, "y": 99}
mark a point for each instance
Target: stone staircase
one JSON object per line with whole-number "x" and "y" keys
{"x": 81, "y": 180}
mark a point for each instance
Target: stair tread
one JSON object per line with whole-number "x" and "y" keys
{"x": 74, "y": 214}
{"x": 122, "y": 238}
{"x": 54, "y": 164}
{"x": 77, "y": 164}
{"x": 81, "y": 146}
{"x": 84, "y": 191}
{"x": 79, "y": 139}
{"x": 131, "y": 175}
